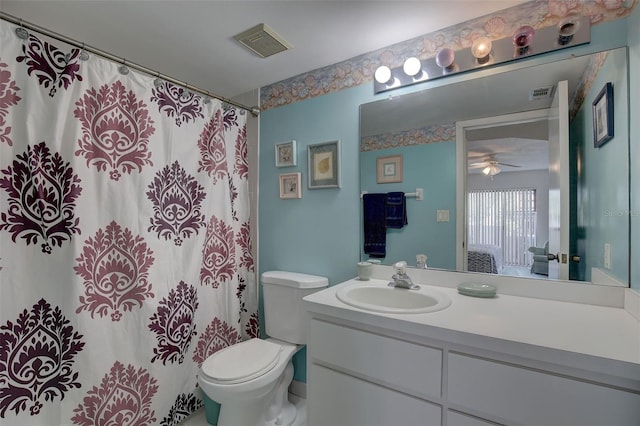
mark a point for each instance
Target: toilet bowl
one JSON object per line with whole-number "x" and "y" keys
{"x": 250, "y": 380}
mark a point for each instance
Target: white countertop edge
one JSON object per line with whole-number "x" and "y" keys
{"x": 619, "y": 367}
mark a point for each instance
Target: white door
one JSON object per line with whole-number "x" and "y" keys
{"x": 559, "y": 183}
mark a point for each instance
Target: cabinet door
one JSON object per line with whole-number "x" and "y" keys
{"x": 405, "y": 366}
{"x": 340, "y": 399}
{"x": 532, "y": 397}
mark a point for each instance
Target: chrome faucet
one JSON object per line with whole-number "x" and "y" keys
{"x": 401, "y": 279}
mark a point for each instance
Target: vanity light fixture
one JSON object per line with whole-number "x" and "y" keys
{"x": 567, "y": 28}
{"x": 412, "y": 66}
{"x": 485, "y": 52}
{"x": 445, "y": 59}
{"x": 383, "y": 74}
{"x": 522, "y": 39}
{"x": 481, "y": 49}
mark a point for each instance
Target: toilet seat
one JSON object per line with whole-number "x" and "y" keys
{"x": 241, "y": 362}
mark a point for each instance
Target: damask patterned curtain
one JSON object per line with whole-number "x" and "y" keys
{"x": 125, "y": 256}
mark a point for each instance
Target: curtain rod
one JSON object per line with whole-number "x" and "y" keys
{"x": 255, "y": 111}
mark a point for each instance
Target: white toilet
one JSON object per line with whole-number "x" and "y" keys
{"x": 250, "y": 379}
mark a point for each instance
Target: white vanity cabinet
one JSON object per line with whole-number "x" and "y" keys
{"x": 365, "y": 369}
{"x": 361, "y": 378}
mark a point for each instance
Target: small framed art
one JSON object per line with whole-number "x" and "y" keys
{"x": 389, "y": 169}
{"x": 603, "y": 116}
{"x": 290, "y": 185}
{"x": 324, "y": 165}
{"x": 286, "y": 154}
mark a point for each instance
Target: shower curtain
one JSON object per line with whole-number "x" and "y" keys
{"x": 125, "y": 253}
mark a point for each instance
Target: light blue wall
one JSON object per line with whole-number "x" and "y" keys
{"x": 603, "y": 176}
{"x": 317, "y": 234}
{"x": 634, "y": 90}
{"x": 433, "y": 168}
{"x": 320, "y": 233}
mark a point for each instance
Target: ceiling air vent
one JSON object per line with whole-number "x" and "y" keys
{"x": 263, "y": 41}
{"x": 540, "y": 93}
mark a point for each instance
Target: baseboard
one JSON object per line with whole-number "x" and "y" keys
{"x": 298, "y": 389}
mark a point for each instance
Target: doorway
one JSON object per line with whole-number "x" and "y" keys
{"x": 502, "y": 195}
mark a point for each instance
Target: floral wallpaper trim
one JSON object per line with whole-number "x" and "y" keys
{"x": 430, "y": 134}
{"x": 359, "y": 70}
{"x": 596, "y": 62}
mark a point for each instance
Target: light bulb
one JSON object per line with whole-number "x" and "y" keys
{"x": 383, "y": 74}
{"x": 445, "y": 58}
{"x": 486, "y": 170}
{"x": 481, "y": 49}
{"x": 412, "y": 66}
{"x": 522, "y": 38}
{"x": 567, "y": 28}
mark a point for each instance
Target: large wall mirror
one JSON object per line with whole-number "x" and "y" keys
{"x": 486, "y": 154}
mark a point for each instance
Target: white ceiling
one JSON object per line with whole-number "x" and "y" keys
{"x": 192, "y": 41}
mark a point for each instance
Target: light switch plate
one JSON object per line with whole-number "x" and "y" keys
{"x": 607, "y": 255}
{"x": 442, "y": 216}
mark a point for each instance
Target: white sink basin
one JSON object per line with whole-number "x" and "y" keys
{"x": 382, "y": 298}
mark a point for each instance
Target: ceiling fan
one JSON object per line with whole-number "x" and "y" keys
{"x": 490, "y": 166}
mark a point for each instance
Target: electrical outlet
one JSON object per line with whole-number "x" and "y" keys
{"x": 607, "y": 255}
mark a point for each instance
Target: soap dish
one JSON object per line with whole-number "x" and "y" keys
{"x": 477, "y": 290}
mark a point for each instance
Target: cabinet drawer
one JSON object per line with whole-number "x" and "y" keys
{"x": 459, "y": 419}
{"x": 349, "y": 401}
{"x": 525, "y": 396}
{"x": 405, "y": 366}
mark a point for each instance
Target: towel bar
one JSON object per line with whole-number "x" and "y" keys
{"x": 418, "y": 195}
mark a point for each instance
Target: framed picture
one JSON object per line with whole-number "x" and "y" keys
{"x": 286, "y": 154}
{"x": 389, "y": 169}
{"x": 603, "y": 116}
{"x": 290, "y": 185}
{"x": 324, "y": 165}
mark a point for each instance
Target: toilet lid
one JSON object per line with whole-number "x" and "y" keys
{"x": 242, "y": 362}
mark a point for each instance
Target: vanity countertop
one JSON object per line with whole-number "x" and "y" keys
{"x": 590, "y": 337}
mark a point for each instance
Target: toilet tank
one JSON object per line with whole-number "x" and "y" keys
{"x": 282, "y": 294}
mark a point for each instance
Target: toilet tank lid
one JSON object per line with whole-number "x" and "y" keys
{"x": 294, "y": 279}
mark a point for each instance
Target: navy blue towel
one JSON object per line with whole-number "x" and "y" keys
{"x": 396, "y": 210}
{"x": 375, "y": 230}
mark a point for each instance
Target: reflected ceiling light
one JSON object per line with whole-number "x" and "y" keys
{"x": 481, "y": 49}
{"x": 383, "y": 74}
{"x": 412, "y": 66}
{"x": 491, "y": 170}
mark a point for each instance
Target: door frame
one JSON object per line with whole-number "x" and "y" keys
{"x": 462, "y": 171}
